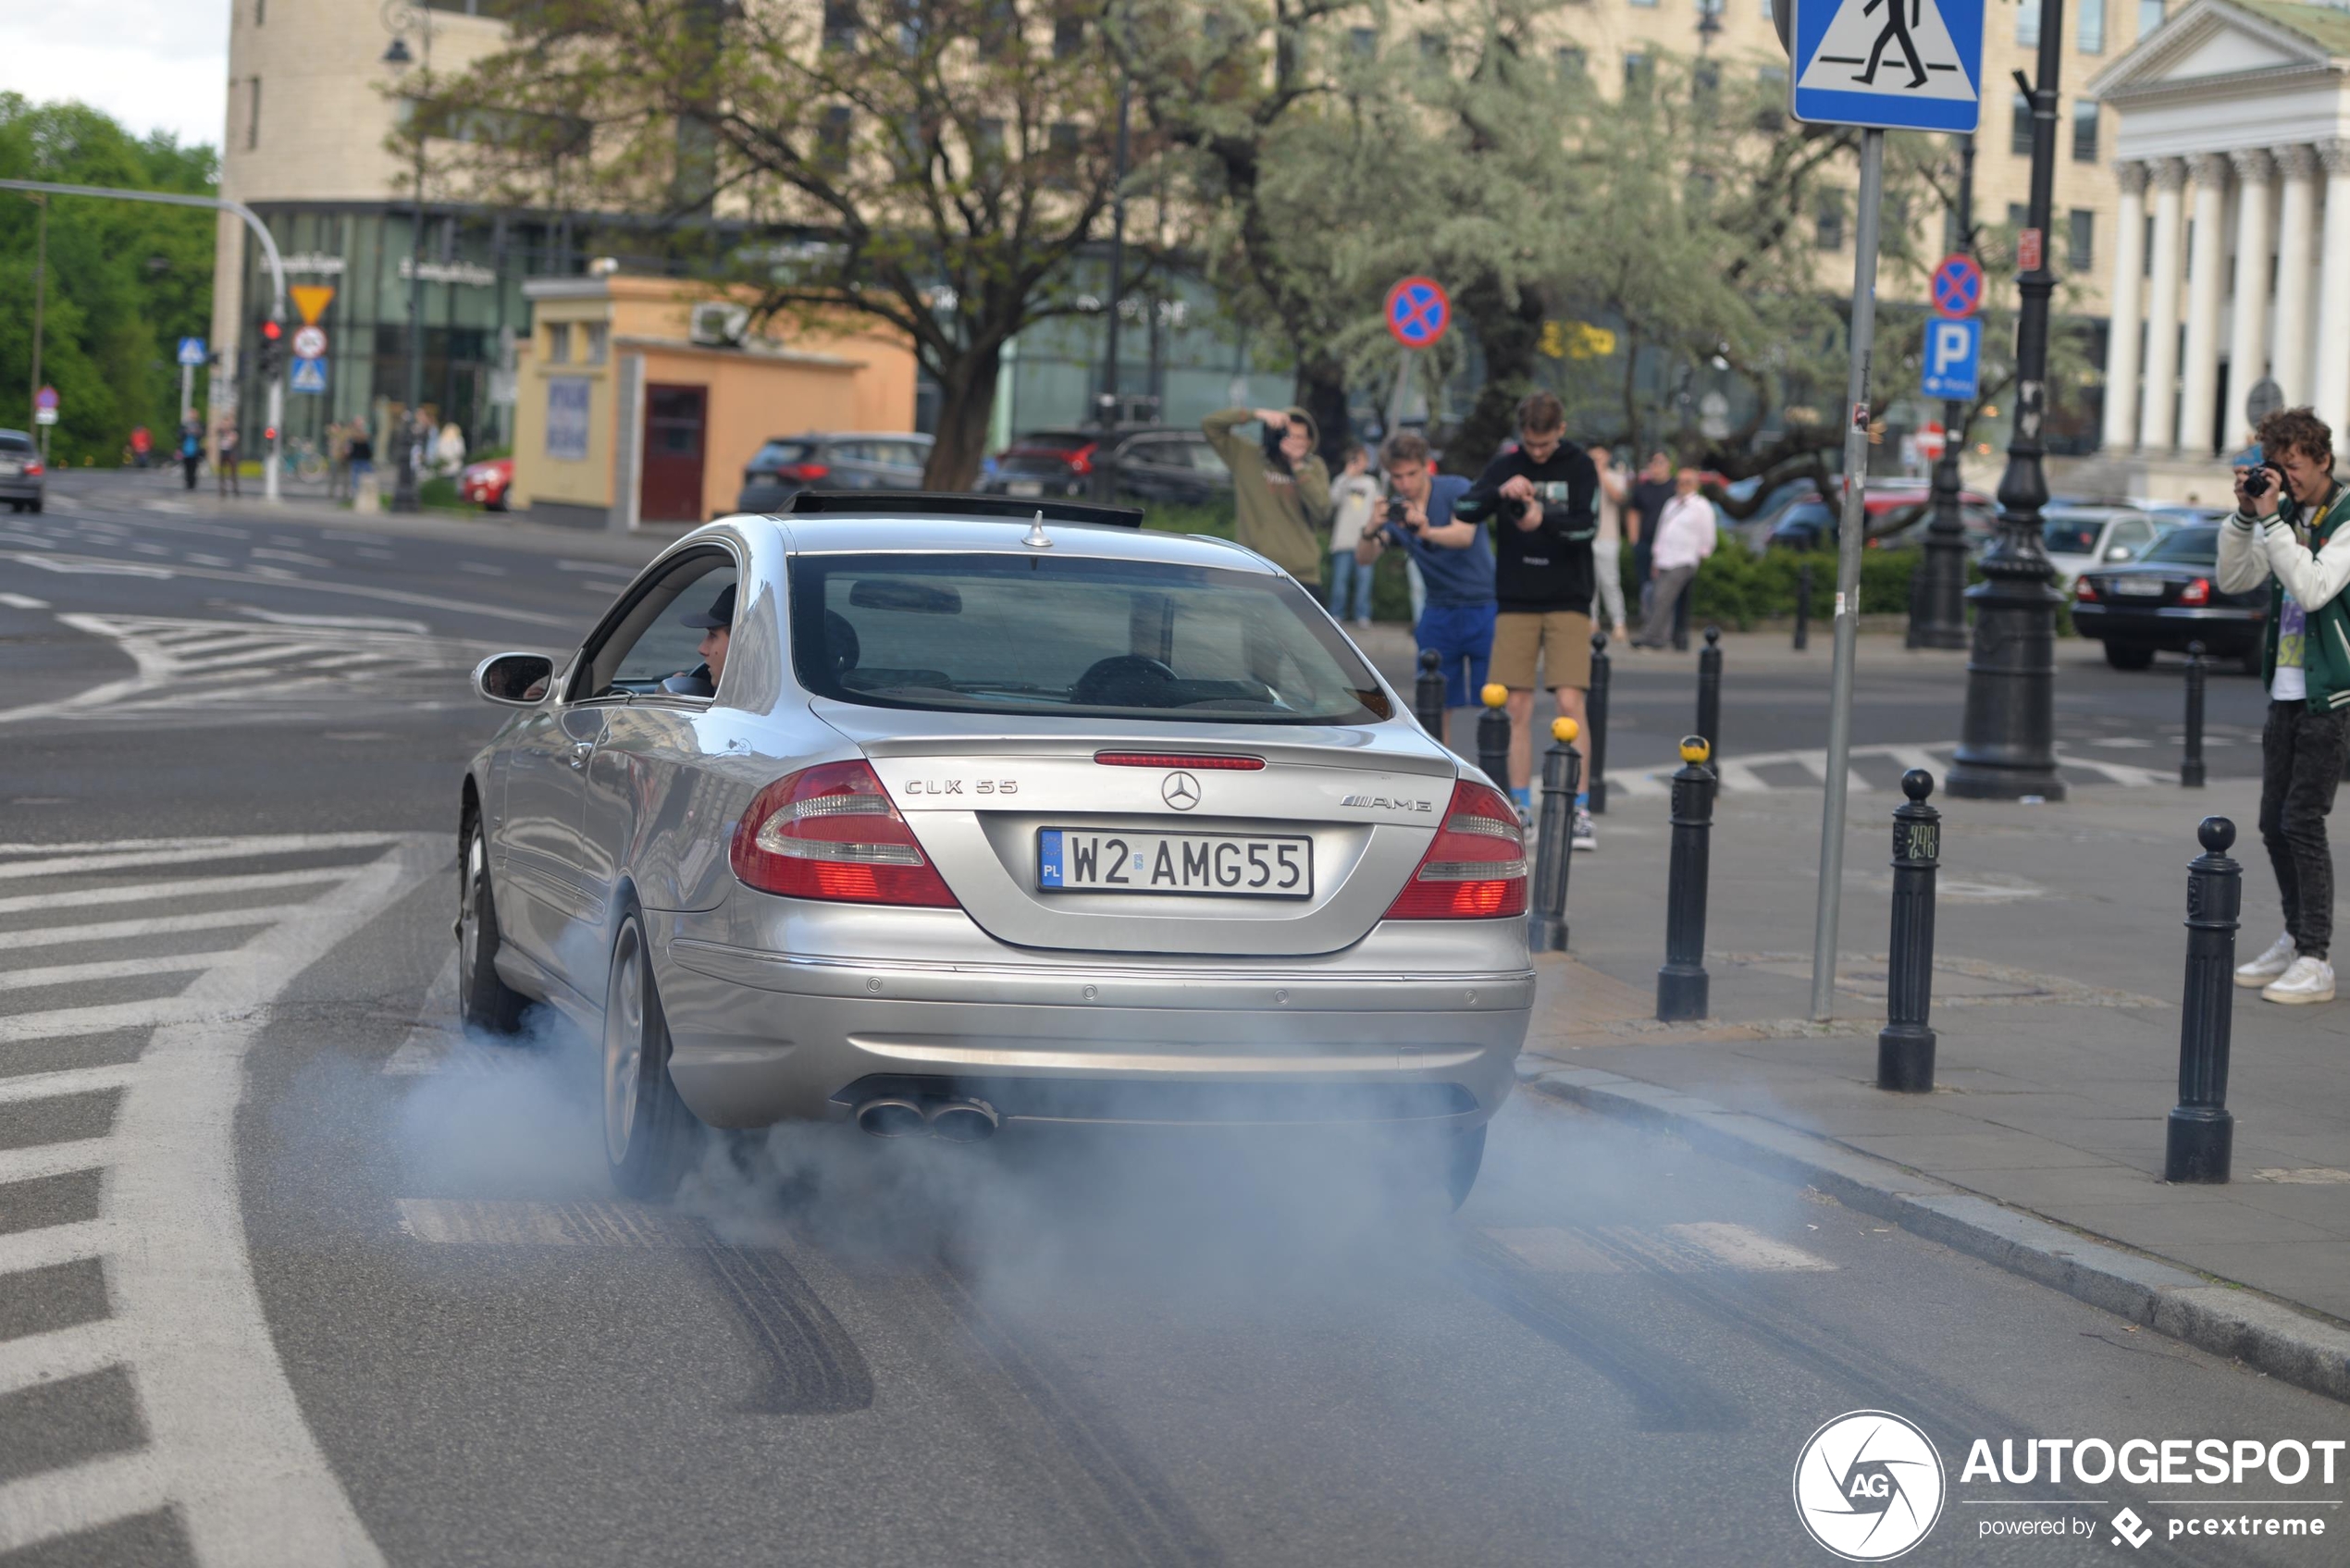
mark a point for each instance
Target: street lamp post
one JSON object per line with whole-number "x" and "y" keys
{"x": 1105, "y": 470}
{"x": 399, "y": 14}
{"x": 1938, "y": 610}
{"x": 2008, "y": 749}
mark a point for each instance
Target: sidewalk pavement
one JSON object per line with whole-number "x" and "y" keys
{"x": 2058, "y": 962}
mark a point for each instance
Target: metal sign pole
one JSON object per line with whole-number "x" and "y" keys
{"x": 1848, "y": 573}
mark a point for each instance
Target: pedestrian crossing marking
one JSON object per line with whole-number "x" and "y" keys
{"x": 1898, "y": 47}
{"x": 1743, "y": 775}
{"x": 1685, "y": 1248}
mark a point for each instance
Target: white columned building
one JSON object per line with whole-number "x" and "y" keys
{"x": 2236, "y": 268}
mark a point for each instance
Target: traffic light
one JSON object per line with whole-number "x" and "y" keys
{"x": 273, "y": 348}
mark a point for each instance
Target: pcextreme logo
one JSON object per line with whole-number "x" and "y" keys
{"x": 1868, "y": 1485}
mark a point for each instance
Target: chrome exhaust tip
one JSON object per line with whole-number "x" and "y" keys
{"x": 889, "y": 1117}
{"x": 964, "y": 1121}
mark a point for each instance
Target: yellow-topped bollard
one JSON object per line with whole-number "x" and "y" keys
{"x": 1493, "y": 736}
{"x": 1562, "y": 779}
{"x": 1681, "y": 984}
{"x": 1564, "y": 730}
{"x": 1694, "y": 751}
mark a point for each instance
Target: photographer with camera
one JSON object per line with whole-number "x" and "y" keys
{"x": 1280, "y": 488}
{"x": 1453, "y": 556}
{"x": 2287, "y": 531}
{"x": 1540, "y": 496}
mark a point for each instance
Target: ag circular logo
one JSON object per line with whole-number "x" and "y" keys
{"x": 1868, "y": 1485}
{"x": 1180, "y": 791}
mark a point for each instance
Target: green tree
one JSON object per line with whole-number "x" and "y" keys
{"x": 124, "y": 281}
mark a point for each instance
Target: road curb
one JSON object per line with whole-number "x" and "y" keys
{"x": 2227, "y": 1320}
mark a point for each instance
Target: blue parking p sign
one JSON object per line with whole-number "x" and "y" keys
{"x": 1953, "y": 357}
{"x": 1897, "y": 64}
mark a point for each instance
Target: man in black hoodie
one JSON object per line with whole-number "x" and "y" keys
{"x": 1541, "y": 495}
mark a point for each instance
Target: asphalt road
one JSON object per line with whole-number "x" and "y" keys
{"x": 291, "y": 1272}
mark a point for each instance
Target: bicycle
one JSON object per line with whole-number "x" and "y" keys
{"x": 301, "y": 459}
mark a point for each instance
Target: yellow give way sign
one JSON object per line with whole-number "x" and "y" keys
{"x": 312, "y": 300}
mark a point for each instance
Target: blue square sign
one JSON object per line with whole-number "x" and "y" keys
{"x": 1897, "y": 64}
{"x": 1953, "y": 357}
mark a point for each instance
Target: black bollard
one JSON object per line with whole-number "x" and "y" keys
{"x": 1708, "y": 695}
{"x": 1493, "y": 737}
{"x": 2202, "y": 1133}
{"x": 1428, "y": 697}
{"x": 1546, "y": 921}
{"x": 1804, "y": 606}
{"x": 1595, "y": 710}
{"x": 1905, "y": 1046}
{"x": 1681, "y": 984}
{"x": 2191, "y": 765}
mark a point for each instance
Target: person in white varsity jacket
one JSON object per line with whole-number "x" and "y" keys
{"x": 2288, "y": 532}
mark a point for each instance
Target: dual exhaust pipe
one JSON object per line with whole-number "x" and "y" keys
{"x": 958, "y": 1121}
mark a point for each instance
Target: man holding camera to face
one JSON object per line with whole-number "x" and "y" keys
{"x": 1455, "y": 558}
{"x": 2288, "y": 532}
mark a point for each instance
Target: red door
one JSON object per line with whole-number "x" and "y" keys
{"x": 670, "y": 490}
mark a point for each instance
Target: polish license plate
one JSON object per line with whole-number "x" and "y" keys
{"x": 10, "y": 470}
{"x": 1210, "y": 864}
{"x": 2139, "y": 587}
{"x": 1023, "y": 488}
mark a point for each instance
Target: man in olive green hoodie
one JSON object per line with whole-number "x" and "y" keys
{"x": 1282, "y": 494}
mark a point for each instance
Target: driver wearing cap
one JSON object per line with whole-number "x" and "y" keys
{"x": 717, "y": 624}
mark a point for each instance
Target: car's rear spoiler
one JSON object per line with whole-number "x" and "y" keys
{"x": 936, "y": 503}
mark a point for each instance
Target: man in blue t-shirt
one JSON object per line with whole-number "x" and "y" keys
{"x": 1455, "y": 560}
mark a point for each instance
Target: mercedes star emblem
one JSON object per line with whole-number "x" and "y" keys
{"x": 1180, "y": 791}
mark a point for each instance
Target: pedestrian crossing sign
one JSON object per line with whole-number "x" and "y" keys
{"x": 1894, "y": 65}
{"x": 309, "y": 376}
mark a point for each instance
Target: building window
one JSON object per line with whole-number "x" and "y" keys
{"x": 2019, "y": 216}
{"x": 840, "y": 24}
{"x": 559, "y": 342}
{"x": 2090, "y": 40}
{"x": 2081, "y": 240}
{"x": 1060, "y": 144}
{"x": 1635, "y": 72}
{"x": 2027, "y": 23}
{"x": 1433, "y": 48}
{"x": 2084, "y": 133}
{"x": 1068, "y": 33}
{"x": 2019, "y": 127}
{"x": 260, "y": 12}
{"x": 2145, "y": 251}
{"x": 1363, "y": 42}
{"x": 1575, "y": 65}
{"x": 253, "y": 124}
{"x": 1771, "y": 118}
{"x": 998, "y": 27}
{"x": 2150, "y": 15}
{"x": 990, "y": 147}
{"x": 1705, "y": 80}
{"x": 1830, "y": 234}
{"x": 832, "y": 138}
{"x": 599, "y": 342}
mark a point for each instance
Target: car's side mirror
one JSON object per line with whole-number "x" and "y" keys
{"x": 514, "y": 679}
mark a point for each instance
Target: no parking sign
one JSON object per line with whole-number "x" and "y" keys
{"x": 1418, "y": 312}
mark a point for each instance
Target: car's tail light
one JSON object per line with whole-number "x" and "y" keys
{"x": 32, "y": 470}
{"x": 830, "y": 832}
{"x": 2196, "y": 592}
{"x": 1082, "y": 460}
{"x": 1206, "y": 762}
{"x": 1475, "y": 869}
{"x": 2085, "y": 591}
{"x": 803, "y": 472}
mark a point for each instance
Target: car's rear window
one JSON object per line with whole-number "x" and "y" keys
{"x": 2070, "y": 536}
{"x": 2186, "y": 547}
{"x": 1048, "y": 634}
{"x": 17, "y": 443}
{"x": 1054, "y": 440}
{"x": 776, "y": 454}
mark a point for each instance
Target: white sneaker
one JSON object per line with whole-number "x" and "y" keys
{"x": 2309, "y": 980}
{"x": 1584, "y": 836}
{"x": 2268, "y": 966}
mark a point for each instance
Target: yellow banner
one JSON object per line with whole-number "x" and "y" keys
{"x": 1576, "y": 339}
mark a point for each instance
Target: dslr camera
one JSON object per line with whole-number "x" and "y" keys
{"x": 2256, "y": 482}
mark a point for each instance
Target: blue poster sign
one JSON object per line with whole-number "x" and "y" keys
{"x": 1953, "y": 357}
{"x": 1897, "y": 64}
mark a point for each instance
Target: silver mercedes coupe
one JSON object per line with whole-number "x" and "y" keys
{"x": 947, "y": 814}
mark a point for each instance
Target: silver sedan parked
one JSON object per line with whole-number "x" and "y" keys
{"x": 943, "y": 815}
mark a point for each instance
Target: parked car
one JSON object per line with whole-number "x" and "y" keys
{"x": 1170, "y": 462}
{"x": 2166, "y": 599}
{"x": 958, "y": 767}
{"x": 2077, "y": 538}
{"x": 22, "y": 484}
{"x": 1907, "y": 527}
{"x": 833, "y": 460}
{"x": 484, "y": 484}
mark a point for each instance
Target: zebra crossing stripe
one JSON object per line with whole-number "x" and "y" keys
{"x": 251, "y": 882}
{"x": 34, "y": 1358}
{"x": 1673, "y": 1249}
{"x": 151, "y": 925}
{"x": 65, "y": 859}
{"x": 64, "y": 1081}
{"x": 39, "y": 1160}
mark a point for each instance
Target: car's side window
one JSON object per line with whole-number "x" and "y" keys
{"x": 653, "y": 649}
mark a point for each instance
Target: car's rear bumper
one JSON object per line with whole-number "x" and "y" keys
{"x": 759, "y": 1037}
{"x": 14, "y": 487}
{"x": 2222, "y": 629}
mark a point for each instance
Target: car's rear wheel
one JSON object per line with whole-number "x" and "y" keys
{"x": 483, "y": 1000}
{"x": 650, "y": 1136}
{"x": 2128, "y": 655}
